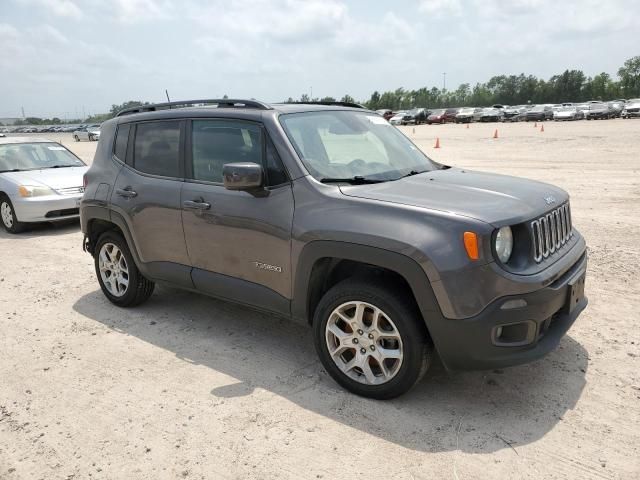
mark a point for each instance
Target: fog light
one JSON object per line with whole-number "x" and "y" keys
{"x": 498, "y": 333}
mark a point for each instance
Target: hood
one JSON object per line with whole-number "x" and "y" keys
{"x": 491, "y": 198}
{"x": 55, "y": 178}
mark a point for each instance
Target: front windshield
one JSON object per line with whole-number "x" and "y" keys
{"x": 538, "y": 108}
{"x": 347, "y": 144}
{"x": 36, "y": 156}
{"x": 466, "y": 110}
{"x": 568, "y": 109}
{"x": 437, "y": 112}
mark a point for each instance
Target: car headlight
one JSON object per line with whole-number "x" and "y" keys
{"x": 504, "y": 244}
{"x": 34, "y": 191}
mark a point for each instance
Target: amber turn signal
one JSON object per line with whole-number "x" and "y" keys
{"x": 471, "y": 245}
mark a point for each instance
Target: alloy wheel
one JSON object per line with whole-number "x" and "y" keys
{"x": 364, "y": 343}
{"x": 114, "y": 270}
{"x": 7, "y": 214}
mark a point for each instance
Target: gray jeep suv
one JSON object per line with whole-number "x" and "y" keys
{"x": 328, "y": 215}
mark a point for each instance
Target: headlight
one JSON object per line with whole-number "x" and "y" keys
{"x": 34, "y": 191}
{"x": 504, "y": 244}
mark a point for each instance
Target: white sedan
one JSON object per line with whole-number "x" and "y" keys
{"x": 397, "y": 118}
{"x": 40, "y": 181}
{"x": 91, "y": 133}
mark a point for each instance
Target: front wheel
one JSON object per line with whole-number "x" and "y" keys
{"x": 119, "y": 277}
{"x": 371, "y": 339}
{"x": 8, "y": 215}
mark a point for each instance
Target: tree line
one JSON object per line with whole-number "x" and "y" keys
{"x": 569, "y": 86}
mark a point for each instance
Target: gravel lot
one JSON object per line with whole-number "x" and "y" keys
{"x": 186, "y": 386}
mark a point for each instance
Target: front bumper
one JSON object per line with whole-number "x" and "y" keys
{"x": 536, "y": 328}
{"x": 48, "y": 208}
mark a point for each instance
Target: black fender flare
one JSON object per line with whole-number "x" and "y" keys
{"x": 94, "y": 212}
{"x": 401, "y": 264}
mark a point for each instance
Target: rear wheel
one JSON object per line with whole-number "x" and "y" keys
{"x": 8, "y": 216}
{"x": 370, "y": 338}
{"x": 120, "y": 280}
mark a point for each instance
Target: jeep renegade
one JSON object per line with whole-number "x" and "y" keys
{"x": 329, "y": 215}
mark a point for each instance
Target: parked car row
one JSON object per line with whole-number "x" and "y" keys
{"x": 592, "y": 110}
{"x": 47, "y": 128}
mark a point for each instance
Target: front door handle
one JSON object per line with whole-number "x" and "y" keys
{"x": 196, "y": 205}
{"x": 126, "y": 192}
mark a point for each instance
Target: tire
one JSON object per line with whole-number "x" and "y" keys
{"x": 138, "y": 288}
{"x": 398, "y": 312}
{"x": 8, "y": 217}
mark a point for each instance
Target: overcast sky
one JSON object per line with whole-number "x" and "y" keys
{"x": 60, "y": 56}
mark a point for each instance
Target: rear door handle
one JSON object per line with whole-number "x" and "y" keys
{"x": 126, "y": 192}
{"x": 196, "y": 205}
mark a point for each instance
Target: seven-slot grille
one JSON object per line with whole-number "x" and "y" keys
{"x": 71, "y": 190}
{"x": 550, "y": 232}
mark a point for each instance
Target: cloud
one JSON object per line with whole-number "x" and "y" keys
{"x": 440, "y": 7}
{"x": 60, "y": 8}
{"x": 139, "y": 11}
{"x": 284, "y": 21}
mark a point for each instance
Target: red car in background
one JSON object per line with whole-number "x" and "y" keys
{"x": 442, "y": 115}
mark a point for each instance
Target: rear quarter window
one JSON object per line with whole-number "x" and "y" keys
{"x": 121, "y": 142}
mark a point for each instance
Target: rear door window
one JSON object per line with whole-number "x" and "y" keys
{"x": 157, "y": 148}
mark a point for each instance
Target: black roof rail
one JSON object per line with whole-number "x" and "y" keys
{"x": 338, "y": 104}
{"x": 220, "y": 102}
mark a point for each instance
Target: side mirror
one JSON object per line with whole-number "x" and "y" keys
{"x": 242, "y": 176}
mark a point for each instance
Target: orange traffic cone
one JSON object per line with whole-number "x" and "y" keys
{"x": 535, "y": 125}
{"x": 495, "y": 134}
{"x": 437, "y": 145}
{"x": 542, "y": 128}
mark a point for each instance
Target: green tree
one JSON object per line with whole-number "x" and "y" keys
{"x": 629, "y": 75}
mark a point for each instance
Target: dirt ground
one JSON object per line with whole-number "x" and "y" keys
{"x": 189, "y": 387}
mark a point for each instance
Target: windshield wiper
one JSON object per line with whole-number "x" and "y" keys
{"x": 357, "y": 180}
{"x": 412, "y": 173}
{"x": 62, "y": 166}
{"x": 12, "y": 170}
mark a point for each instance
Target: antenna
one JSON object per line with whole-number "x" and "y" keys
{"x": 166, "y": 92}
